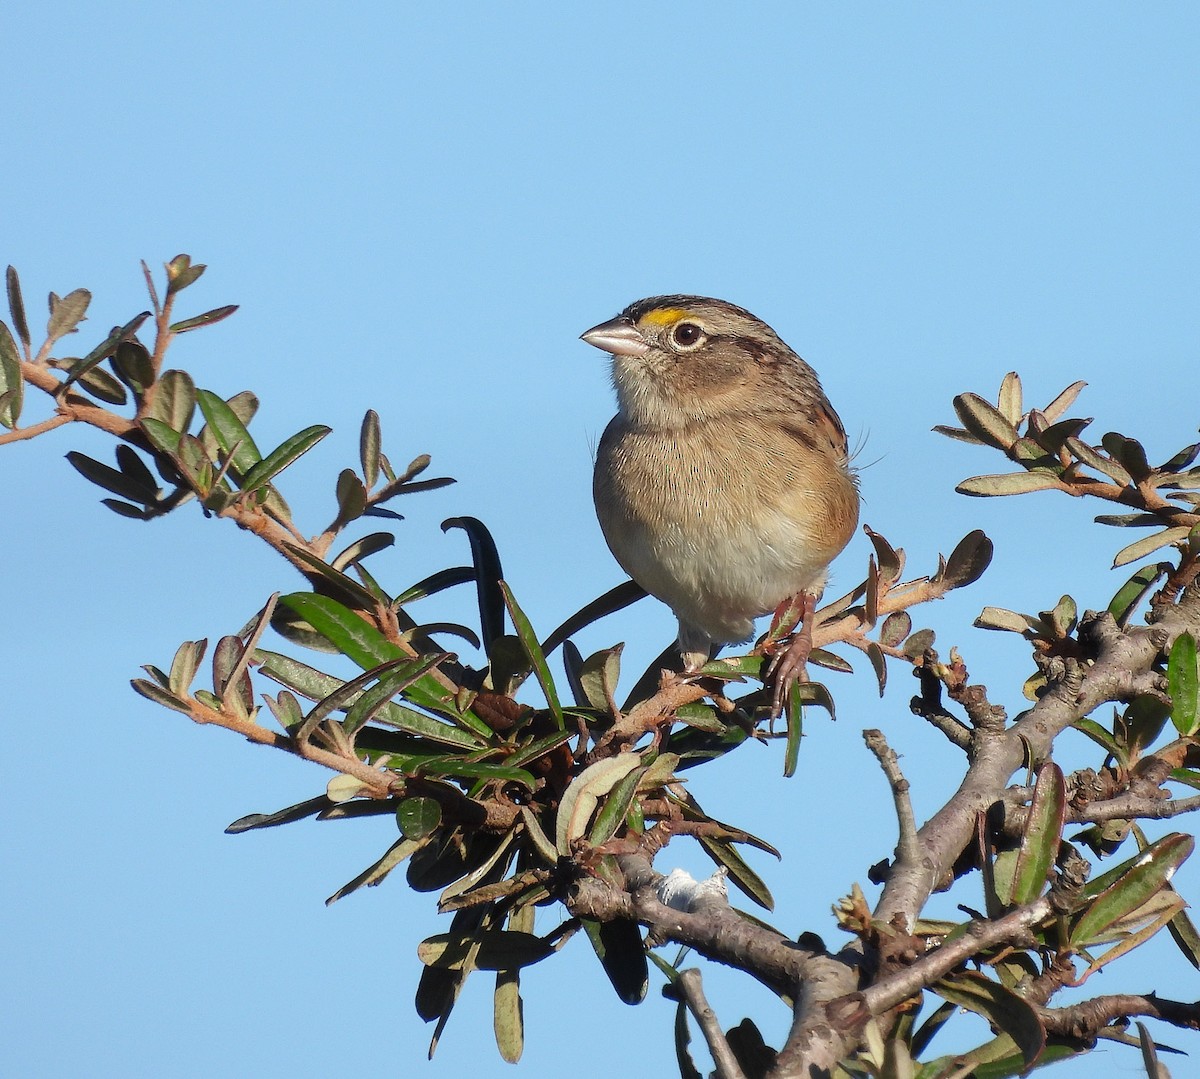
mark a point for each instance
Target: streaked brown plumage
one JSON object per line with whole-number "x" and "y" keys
{"x": 723, "y": 484}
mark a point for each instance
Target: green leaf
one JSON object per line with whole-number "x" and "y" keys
{"x": 580, "y": 799}
{"x": 1009, "y": 483}
{"x": 616, "y": 806}
{"x": 362, "y": 548}
{"x": 418, "y": 817}
{"x": 174, "y": 401}
{"x": 957, "y": 433}
{"x": 618, "y": 946}
{"x": 132, "y": 364}
{"x": 970, "y": 558}
{"x": 16, "y": 306}
{"x": 317, "y": 685}
{"x": 488, "y": 574}
{"x": 369, "y": 439}
{"x": 103, "y": 350}
{"x": 1151, "y": 543}
{"x": 283, "y": 455}
{"x": 67, "y": 313}
{"x": 185, "y": 665}
{"x": 374, "y": 874}
{"x": 229, "y": 431}
{"x": 533, "y": 652}
{"x": 998, "y": 618}
{"x": 1148, "y": 874}
{"x": 886, "y": 555}
{"x": 615, "y": 599}
{"x": 794, "y": 715}
{"x": 1183, "y": 681}
{"x": 110, "y": 479}
{"x": 984, "y": 421}
{"x": 12, "y": 383}
{"x": 1039, "y": 845}
{"x": 1062, "y": 402}
{"x": 1054, "y": 437}
{"x": 391, "y": 681}
{"x": 1131, "y": 593}
{"x": 1129, "y": 452}
{"x": 103, "y": 386}
{"x": 1091, "y": 457}
{"x": 1010, "y": 402}
{"x": 181, "y": 273}
{"x": 496, "y": 950}
{"x": 159, "y": 695}
{"x": 300, "y": 811}
{"x": 1004, "y": 1009}
{"x": 217, "y": 314}
{"x": 724, "y": 854}
{"x": 428, "y": 586}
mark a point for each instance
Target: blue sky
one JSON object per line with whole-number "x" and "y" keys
{"x": 419, "y": 212}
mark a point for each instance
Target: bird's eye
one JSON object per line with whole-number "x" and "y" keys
{"x": 686, "y": 334}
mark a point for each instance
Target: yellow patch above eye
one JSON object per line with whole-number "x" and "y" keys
{"x": 664, "y": 316}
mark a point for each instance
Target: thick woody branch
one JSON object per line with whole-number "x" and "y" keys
{"x": 716, "y": 931}
{"x": 1085, "y": 1020}
{"x": 1120, "y": 656}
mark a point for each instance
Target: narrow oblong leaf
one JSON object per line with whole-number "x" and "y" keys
{"x": 1150, "y": 873}
{"x": 1003, "y": 1008}
{"x": 174, "y": 401}
{"x": 16, "y": 306}
{"x": 488, "y": 574}
{"x": 968, "y": 560}
{"x": 618, "y": 946}
{"x": 533, "y": 652}
{"x": 369, "y": 440}
{"x": 100, "y": 384}
{"x": 1063, "y": 401}
{"x": 1010, "y": 401}
{"x": 230, "y": 432}
{"x": 1039, "y": 845}
{"x": 723, "y": 853}
{"x": 299, "y": 811}
{"x": 283, "y": 455}
{"x": 1183, "y": 684}
{"x": 159, "y": 695}
{"x": 1148, "y": 544}
{"x": 1091, "y": 457}
{"x": 362, "y": 548}
{"x": 581, "y": 797}
{"x": 12, "y": 383}
{"x": 1008, "y": 483}
{"x": 984, "y": 421}
{"x": 217, "y": 314}
{"x": 1129, "y": 452}
{"x": 615, "y": 599}
{"x": 958, "y": 434}
{"x": 103, "y": 350}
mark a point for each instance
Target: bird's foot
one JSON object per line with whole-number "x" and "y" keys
{"x": 787, "y": 663}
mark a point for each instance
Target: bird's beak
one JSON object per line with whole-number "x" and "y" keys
{"x": 618, "y": 336}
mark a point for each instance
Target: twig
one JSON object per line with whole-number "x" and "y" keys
{"x": 907, "y": 848}
{"x": 930, "y": 708}
{"x": 35, "y": 429}
{"x": 690, "y": 987}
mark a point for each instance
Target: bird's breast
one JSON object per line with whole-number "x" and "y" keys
{"x": 721, "y": 520}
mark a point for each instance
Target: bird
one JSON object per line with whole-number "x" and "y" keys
{"x": 723, "y": 485}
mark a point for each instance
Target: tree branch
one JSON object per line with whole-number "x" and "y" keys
{"x": 692, "y": 991}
